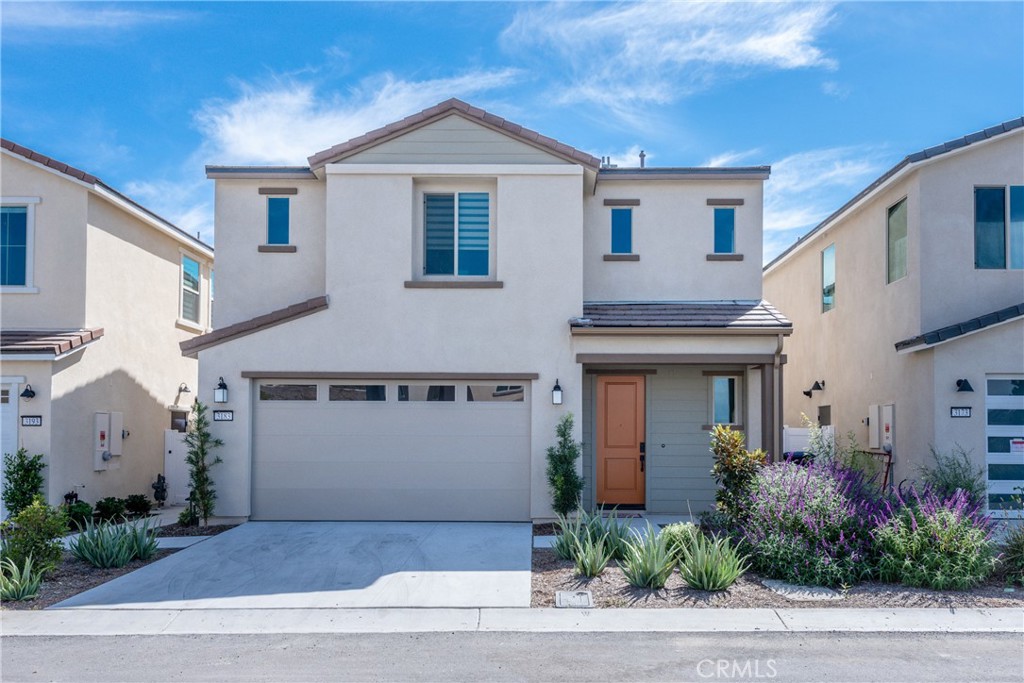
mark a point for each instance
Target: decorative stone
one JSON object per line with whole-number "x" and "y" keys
{"x": 797, "y": 593}
{"x": 578, "y": 599}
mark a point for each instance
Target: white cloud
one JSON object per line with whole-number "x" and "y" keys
{"x": 656, "y": 52}
{"x": 285, "y": 121}
{"x": 836, "y": 90}
{"x": 629, "y": 158}
{"x": 731, "y": 158}
{"x": 74, "y": 16}
{"x": 186, "y": 202}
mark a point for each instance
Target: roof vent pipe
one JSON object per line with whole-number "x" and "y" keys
{"x": 642, "y": 157}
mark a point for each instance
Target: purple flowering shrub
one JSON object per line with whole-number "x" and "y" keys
{"x": 933, "y": 541}
{"x": 811, "y": 524}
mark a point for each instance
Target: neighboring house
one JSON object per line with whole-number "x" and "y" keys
{"x": 97, "y": 292}
{"x": 401, "y": 325}
{"x": 908, "y": 306}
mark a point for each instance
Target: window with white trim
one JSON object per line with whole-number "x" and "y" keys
{"x": 725, "y": 406}
{"x": 17, "y": 223}
{"x": 456, "y": 233}
{"x": 190, "y": 283}
{"x": 999, "y": 227}
{"x": 896, "y": 242}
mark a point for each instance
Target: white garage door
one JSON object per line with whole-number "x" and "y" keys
{"x": 395, "y": 450}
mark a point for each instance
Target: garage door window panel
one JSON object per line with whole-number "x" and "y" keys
{"x": 357, "y": 392}
{"x": 441, "y": 393}
{"x": 288, "y": 392}
{"x": 496, "y": 393}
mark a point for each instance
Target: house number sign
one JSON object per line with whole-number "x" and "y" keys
{"x": 960, "y": 412}
{"x": 223, "y": 416}
{"x": 31, "y": 420}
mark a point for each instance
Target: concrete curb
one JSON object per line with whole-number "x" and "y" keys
{"x": 112, "y": 622}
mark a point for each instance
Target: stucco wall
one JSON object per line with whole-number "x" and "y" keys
{"x": 673, "y": 232}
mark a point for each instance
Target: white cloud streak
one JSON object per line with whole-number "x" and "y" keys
{"x": 731, "y": 158}
{"x": 75, "y": 16}
{"x": 656, "y": 52}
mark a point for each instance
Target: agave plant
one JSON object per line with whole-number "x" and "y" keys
{"x": 142, "y": 538}
{"x": 19, "y": 583}
{"x": 103, "y": 545}
{"x": 710, "y": 564}
{"x": 592, "y": 555}
{"x": 647, "y": 562}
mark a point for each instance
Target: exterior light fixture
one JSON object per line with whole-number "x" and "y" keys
{"x": 556, "y": 394}
{"x": 220, "y": 394}
{"x": 819, "y": 385}
{"x": 183, "y": 389}
{"x": 28, "y": 394}
{"x": 964, "y": 385}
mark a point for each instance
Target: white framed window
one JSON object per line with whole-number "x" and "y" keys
{"x": 455, "y": 230}
{"x": 190, "y": 303}
{"x": 828, "y": 278}
{"x": 999, "y": 227}
{"x": 17, "y": 245}
{"x": 725, "y": 404}
{"x": 896, "y": 242}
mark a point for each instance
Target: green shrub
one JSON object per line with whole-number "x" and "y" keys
{"x": 954, "y": 471}
{"x": 19, "y": 582}
{"x": 188, "y": 517}
{"x": 647, "y": 562}
{"x": 104, "y": 545}
{"x": 142, "y": 538}
{"x": 111, "y": 508}
{"x": 710, "y": 564}
{"x": 936, "y": 542}
{"x": 680, "y": 535}
{"x": 592, "y": 555}
{"x": 35, "y": 532}
{"x": 734, "y": 467}
{"x": 1013, "y": 554}
{"x": 23, "y": 480}
{"x": 138, "y": 504}
{"x": 565, "y": 482}
{"x": 78, "y": 514}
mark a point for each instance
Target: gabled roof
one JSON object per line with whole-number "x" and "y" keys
{"x": 944, "y": 334}
{"x": 916, "y": 157}
{"x": 460, "y": 108}
{"x": 46, "y": 343}
{"x": 192, "y": 347}
{"x": 733, "y": 315}
{"x": 107, "y": 191}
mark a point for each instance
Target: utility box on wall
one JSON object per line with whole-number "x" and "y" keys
{"x": 107, "y": 441}
{"x": 888, "y": 427}
{"x": 874, "y": 423}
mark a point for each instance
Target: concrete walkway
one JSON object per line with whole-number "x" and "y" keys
{"x": 109, "y": 622}
{"x": 294, "y": 565}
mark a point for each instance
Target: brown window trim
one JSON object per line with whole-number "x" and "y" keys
{"x": 279, "y": 190}
{"x": 277, "y": 248}
{"x": 622, "y": 202}
{"x": 622, "y": 257}
{"x": 454, "y": 284}
{"x": 620, "y": 371}
{"x": 708, "y": 428}
{"x": 725, "y": 202}
{"x": 724, "y": 257}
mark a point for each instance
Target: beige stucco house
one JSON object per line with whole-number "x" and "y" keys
{"x": 401, "y": 324}
{"x": 908, "y": 308}
{"x": 97, "y": 292}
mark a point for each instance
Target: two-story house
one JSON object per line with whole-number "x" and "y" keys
{"x": 401, "y": 324}
{"x": 97, "y": 292}
{"x": 908, "y": 305}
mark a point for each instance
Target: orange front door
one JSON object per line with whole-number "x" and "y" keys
{"x": 620, "y": 440}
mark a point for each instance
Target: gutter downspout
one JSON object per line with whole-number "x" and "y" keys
{"x": 777, "y": 400}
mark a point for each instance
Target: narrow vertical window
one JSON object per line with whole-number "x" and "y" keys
{"x": 989, "y": 227}
{"x": 725, "y": 231}
{"x": 622, "y": 231}
{"x": 828, "y": 278}
{"x": 277, "y": 220}
{"x": 439, "y": 234}
{"x": 14, "y": 246}
{"x": 474, "y": 232}
{"x": 189, "y": 289}
{"x": 725, "y": 400}
{"x": 1017, "y": 227}
{"x": 897, "y": 242}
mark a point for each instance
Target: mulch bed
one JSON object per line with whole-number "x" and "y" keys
{"x": 610, "y": 589}
{"x": 179, "y": 530}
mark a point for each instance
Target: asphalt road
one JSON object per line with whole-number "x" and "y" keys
{"x": 474, "y": 656}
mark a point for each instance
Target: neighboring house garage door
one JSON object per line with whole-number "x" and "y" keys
{"x": 1004, "y": 420}
{"x": 391, "y": 450}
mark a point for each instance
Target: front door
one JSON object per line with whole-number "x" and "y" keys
{"x": 620, "y": 440}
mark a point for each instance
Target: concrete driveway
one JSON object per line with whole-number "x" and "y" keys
{"x": 333, "y": 564}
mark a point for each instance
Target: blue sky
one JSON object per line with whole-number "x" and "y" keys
{"x": 145, "y": 94}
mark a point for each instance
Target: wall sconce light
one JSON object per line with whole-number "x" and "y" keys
{"x": 28, "y": 394}
{"x": 220, "y": 394}
{"x": 556, "y": 394}
{"x": 818, "y": 385}
{"x": 963, "y": 385}
{"x": 183, "y": 389}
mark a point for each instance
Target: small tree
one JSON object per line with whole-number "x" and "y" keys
{"x": 200, "y": 459}
{"x": 733, "y": 470}
{"x": 565, "y": 482}
{"x": 23, "y": 480}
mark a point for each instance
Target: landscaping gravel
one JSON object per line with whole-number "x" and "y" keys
{"x": 179, "y": 530}
{"x": 610, "y": 589}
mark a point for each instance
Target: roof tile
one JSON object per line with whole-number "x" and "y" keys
{"x": 695, "y": 314}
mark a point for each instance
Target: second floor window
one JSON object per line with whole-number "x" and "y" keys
{"x": 190, "y": 289}
{"x": 725, "y": 231}
{"x": 456, "y": 237}
{"x": 277, "y": 220}
{"x": 828, "y": 278}
{"x": 896, "y": 239}
{"x": 622, "y": 231}
{"x": 999, "y": 227}
{"x": 14, "y": 246}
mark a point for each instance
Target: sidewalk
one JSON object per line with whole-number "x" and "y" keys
{"x": 93, "y": 622}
